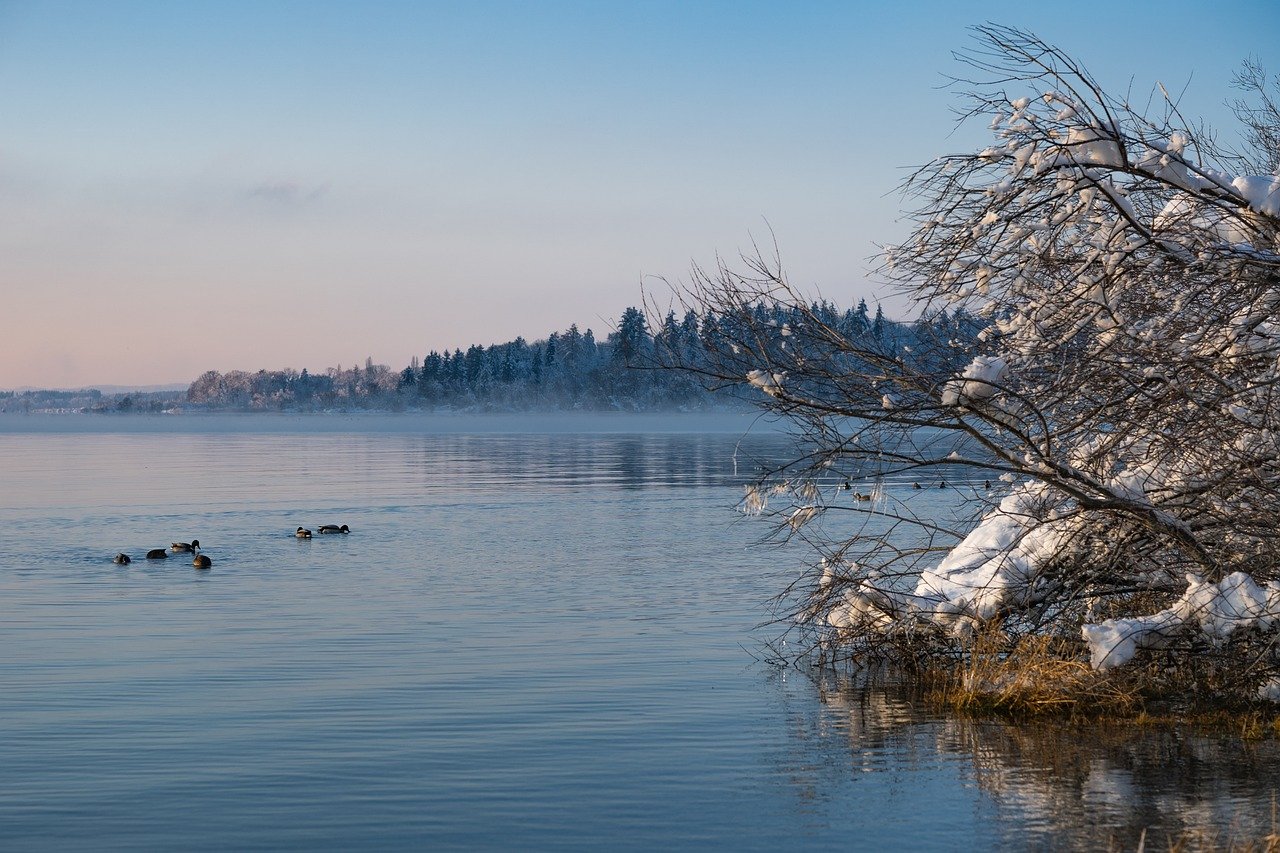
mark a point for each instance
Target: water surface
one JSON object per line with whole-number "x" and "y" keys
{"x": 538, "y": 640}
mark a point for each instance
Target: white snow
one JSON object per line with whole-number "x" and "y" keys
{"x": 978, "y": 382}
{"x": 1114, "y": 642}
{"x": 801, "y": 516}
{"x": 767, "y": 381}
{"x": 1087, "y": 146}
{"x": 1270, "y": 690}
{"x": 994, "y": 563}
{"x": 1261, "y": 191}
{"x": 1218, "y": 610}
{"x": 1189, "y": 213}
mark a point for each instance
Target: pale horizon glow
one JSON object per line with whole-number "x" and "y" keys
{"x": 239, "y": 186}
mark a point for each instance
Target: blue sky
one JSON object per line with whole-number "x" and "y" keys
{"x": 192, "y": 186}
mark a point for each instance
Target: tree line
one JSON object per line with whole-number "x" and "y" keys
{"x": 632, "y": 369}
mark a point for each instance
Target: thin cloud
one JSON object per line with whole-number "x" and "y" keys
{"x": 286, "y": 193}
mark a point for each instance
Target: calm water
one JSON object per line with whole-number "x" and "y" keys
{"x": 528, "y": 641}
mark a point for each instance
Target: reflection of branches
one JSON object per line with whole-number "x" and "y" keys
{"x": 1050, "y": 785}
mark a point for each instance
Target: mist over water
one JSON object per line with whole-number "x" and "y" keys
{"x": 532, "y": 640}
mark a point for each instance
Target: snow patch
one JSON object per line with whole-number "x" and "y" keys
{"x": 1218, "y": 610}
{"x": 978, "y": 382}
{"x": 1261, "y": 191}
{"x": 767, "y": 381}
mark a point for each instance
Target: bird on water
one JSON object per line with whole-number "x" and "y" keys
{"x": 193, "y": 545}
{"x": 201, "y": 562}
{"x": 121, "y": 559}
{"x": 303, "y": 533}
{"x": 157, "y": 554}
{"x": 333, "y": 528}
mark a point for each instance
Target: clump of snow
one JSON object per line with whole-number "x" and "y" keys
{"x": 801, "y": 516}
{"x": 979, "y": 381}
{"x": 1261, "y": 191}
{"x": 1270, "y": 690}
{"x": 1218, "y": 610}
{"x": 995, "y": 560}
{"x": 995, "y": 563}
{"x": 1191, "y": 215}
{"x": 1086, "y": 145}
{"x": 1114, "y": 642}
{"x": 767, "y": 381}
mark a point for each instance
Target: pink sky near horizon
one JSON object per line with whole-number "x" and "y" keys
{"x": 186, "y": 187}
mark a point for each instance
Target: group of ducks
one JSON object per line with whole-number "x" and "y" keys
{"x": 304, "y": 533}
{"x": 942, "y": 484}
{"x": 847, "y": 485}
{"x": 200, "y": 561}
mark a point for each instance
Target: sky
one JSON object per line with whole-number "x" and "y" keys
{"x": 242, "y": 185}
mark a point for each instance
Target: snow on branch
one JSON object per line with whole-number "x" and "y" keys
{"x": 1094, "y": 376}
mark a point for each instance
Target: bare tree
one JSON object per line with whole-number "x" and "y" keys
{"x": 1120, "y": 400}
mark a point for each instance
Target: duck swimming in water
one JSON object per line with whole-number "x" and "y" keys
{"x": 201, "y": 562}
{"x": 157, "y": 554}
{"x": 178, "y": 547}
{"x": 121, "y": 559}
{"x": 333, "y": 528}
{"x": 303, "y": 533}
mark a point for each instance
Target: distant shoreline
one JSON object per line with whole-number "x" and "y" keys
{"x": 391, "y": 422}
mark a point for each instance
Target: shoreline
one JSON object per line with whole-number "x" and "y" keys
{"x": 392, "y": 422}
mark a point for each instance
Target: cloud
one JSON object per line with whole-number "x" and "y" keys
{"x": 285, "y": 193}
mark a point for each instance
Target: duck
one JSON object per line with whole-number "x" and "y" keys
{"x": 859, "y": 496}
{"x": 178, "y": 547}
{"x": 333, "y": 528}
{"x": 916, "y": 486}
{"x": 201, "y": 562}
{"x": 303, "y": 533}
{"x": 987, "y": 485}
{"x": 942, "y": 484}
{"x": 157, "y": 554}
{"x": 122, "y": 559}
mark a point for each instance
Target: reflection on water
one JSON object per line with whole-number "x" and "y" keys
{"x": 1064, "y": 786}
{"x": 533, "y": 641}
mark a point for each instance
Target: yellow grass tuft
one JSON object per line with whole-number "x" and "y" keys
{"x": 1034, "y": 676}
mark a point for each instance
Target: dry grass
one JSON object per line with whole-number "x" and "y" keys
{"x": 1036, "y": 676}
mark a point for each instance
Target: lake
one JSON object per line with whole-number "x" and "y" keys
{"x": 541, "y": 633}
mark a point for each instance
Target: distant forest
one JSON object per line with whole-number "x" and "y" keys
{"x": 632, "y": 369}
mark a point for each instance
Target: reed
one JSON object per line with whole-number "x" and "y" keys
{"x": 1032, "y": 677}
